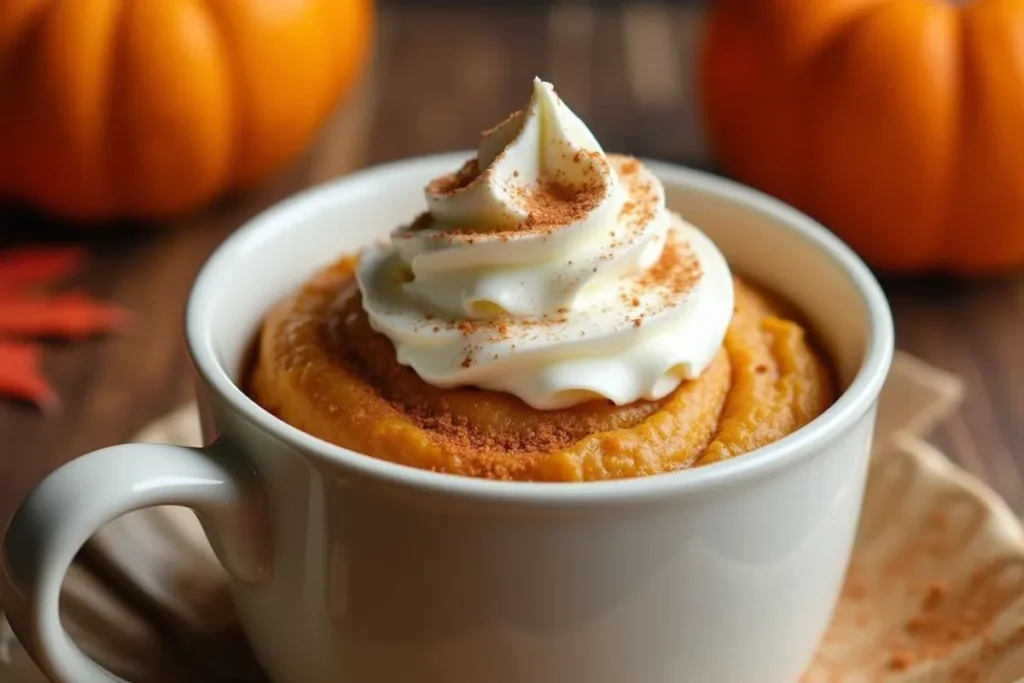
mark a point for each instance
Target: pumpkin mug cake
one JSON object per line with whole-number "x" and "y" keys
{"x": 547, "y": 321}
{"x": 547, "y": 318}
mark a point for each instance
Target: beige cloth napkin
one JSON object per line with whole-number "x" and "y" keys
{"x": 147, "y": 599}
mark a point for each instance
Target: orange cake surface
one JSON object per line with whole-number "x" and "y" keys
{"x": 320, "y": 367}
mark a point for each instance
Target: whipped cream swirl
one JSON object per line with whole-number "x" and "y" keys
{"x": 546, "y": 269}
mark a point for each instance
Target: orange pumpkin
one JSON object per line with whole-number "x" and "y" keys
{"x": 122, "y": 108}
{"x": 897, "y": 123}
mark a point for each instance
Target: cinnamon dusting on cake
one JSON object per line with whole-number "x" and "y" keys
{"x": 456, "y": 433}
{"x": 497, "y": 446}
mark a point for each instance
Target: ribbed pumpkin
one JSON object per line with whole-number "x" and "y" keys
{"x": 897, "y": 123}
{"x": 148, "y": 108}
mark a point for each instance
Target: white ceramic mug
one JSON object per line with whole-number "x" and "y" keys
{"x": 351, "y": 569}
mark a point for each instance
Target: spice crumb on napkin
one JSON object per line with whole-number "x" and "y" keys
{"x": 935, "y": 592}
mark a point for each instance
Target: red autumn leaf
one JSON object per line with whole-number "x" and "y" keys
{"x": 35, "y": 266}
{"x": 25, "y": 312}
{"x": 20, "y": 375}
{"x": 69, "y": 316}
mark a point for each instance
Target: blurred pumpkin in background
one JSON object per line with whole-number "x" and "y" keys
{"x": 127, "y": 109}
{"x": 898, "y": 123}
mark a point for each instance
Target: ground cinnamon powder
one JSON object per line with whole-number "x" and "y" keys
{"x": 550, "y": 202}
{"x": 452, "y": 182}
{"x": 457, "y": 433}
{"x": 553, "y": 204}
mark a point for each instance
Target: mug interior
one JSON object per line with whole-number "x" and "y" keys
{"x": 763, "y": 239}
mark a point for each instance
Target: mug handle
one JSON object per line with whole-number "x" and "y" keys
{"x": 76, "y": 500}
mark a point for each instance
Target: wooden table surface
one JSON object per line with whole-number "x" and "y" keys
{"x": 440, "y": 76}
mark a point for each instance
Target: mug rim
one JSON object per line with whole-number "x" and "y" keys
{"x": 849, "y": 407}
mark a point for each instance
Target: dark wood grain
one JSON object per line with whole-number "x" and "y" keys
{"x": 442, "y": 73}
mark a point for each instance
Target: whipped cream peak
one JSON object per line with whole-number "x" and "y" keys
{"x": 540, "y": 168}
{"x": 549, "y": 270}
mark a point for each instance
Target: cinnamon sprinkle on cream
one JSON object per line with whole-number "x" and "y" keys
{"x": 492, "y": 261}
{"x": 553, "y": 204}
{"x": 451, "y": 183}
